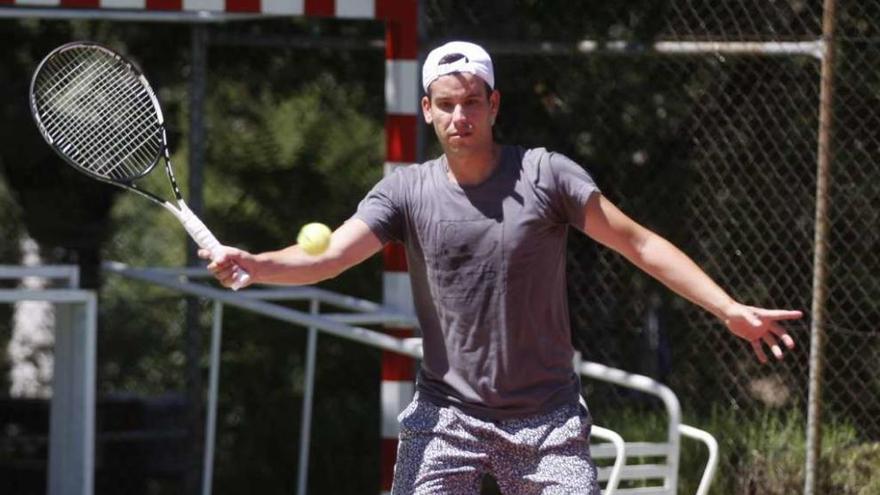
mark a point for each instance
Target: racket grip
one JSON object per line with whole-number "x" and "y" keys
{"x": 206, "y": 240}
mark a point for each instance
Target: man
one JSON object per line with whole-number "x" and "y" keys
{"x": 485, "y": 229}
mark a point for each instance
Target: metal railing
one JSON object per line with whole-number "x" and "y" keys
{"x": 71, "y": 462}
{"x": 362, "y": 312}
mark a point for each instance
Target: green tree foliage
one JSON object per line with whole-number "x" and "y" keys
{"x": 275, "y": 160}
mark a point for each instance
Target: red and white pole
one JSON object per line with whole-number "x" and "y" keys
{"x": 401, "y": 107}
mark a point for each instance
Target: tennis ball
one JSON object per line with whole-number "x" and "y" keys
{"x": 314, "y": 238}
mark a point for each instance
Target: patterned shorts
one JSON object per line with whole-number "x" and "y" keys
{"x": 442, "y": 450}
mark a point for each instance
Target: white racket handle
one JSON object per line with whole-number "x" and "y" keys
{"x": 206, "y": 240}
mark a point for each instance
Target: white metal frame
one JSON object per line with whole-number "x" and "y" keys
{"x": 362, "y": 312}
{"x": 670, "y": 450}
{"x": 72, "y": 415}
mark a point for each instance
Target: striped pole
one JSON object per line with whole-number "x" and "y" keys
{"x": 401, "y": 107}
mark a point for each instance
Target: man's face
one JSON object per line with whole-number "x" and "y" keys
{"x": 461, "y": 112}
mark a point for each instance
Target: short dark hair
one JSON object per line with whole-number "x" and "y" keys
{"x": 485, "y": 84}
{"x": 452, "y": 57}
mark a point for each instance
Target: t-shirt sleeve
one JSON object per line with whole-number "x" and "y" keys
{"x": 381, "y": 210}
{"x": 574, "y": 186}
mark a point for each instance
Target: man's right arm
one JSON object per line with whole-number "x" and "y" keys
{"x": 350, "y": 244}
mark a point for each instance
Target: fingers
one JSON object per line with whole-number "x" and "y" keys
{"x": 221, "y": 269}
{"x": 766, "y": 331}
{"x": 782, "y": 334}
{"x": 779, "y": 314}
{"x": 773, "y": 344}
{"x": 756, "y": 346}
{"x": 224, "y": 265}
{"x": 769, "y": 338}
{"x": 770, "y": 342}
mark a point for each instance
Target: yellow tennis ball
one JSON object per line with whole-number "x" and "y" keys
{"x": 314, "y": 238}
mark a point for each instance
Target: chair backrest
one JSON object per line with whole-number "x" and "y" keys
{"x": 645, "y": 468}
{"x": 644, "y": 471}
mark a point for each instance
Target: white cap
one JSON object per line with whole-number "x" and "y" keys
{"x": 474, "y": 60}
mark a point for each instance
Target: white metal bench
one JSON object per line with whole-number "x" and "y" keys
{"x": 660, "y": 473}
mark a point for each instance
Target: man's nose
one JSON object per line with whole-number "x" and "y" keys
{"x": 458, "y": 114}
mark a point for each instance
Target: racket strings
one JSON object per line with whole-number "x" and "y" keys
{"x": 82, "y": 95}
{"x": 98, "y": 150}
{"x": 107, "y": 142}
{"x": 71, "y": 84}
{"x": 136, "y": 112}
{"x": 99, "y": 113}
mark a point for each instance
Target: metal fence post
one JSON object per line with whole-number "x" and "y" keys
{"x": 213, "y": 388}
{"x": 820, "y": 254}
{"x": 308, "y": 393}
{"x": 72, "y": 415}
{"x": 193, "y": 341}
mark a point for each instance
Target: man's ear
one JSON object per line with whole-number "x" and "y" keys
{"x": 494, "y": 104}
{"x": 426, "y": 110}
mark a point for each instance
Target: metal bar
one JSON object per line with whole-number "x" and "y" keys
{"x": 294, "y": 293}
{"x": 619, "y": 459}
{"x": 90, "y": 383}
{"x": 652, "y": 387}
{"x": 185, "y": 271}
{"x": 229, "y": 298}
{"x": 213, "y": 390}
{"x": 198, "y": 71}
{"x": 123, "y": 15}
{"x": 711, "y": 463}
{"x": 812, "y": 48}
{"x": 325, "y": 296}
{"x": 51, "y": 295}
{"x": 820, "y": 254}
{"x": 308, "y": 397}
{"x": 72, "y": 417}
{"x": 377, "y": 318}
{"x": 68, "y": 272}
{"x": 192, "y": 336}
{"x": 297, "y": 41}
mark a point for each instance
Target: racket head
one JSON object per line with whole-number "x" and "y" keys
{"x": 98, "y": 112}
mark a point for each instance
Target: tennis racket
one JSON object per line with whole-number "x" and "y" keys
{"x": 97, "y": 110}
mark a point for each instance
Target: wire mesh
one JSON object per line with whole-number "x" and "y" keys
{"x": 718, "y": 153}
{"x": 747, "y": 157}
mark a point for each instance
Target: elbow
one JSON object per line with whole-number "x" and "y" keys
{"x": 642, "y": 247}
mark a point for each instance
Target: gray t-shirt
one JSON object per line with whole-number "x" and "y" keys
{"x": 487, "y": 265}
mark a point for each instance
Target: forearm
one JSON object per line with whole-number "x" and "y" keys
{"x": 669, "y": 265}
{"x": 292, "y": 266}
{"x": 350, "y": 244}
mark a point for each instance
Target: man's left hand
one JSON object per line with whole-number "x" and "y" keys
{"x": 761, "y": 326}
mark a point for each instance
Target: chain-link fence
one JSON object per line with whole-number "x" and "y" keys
{"x": 718, "y": 152}
{"x": 716, "y": 148}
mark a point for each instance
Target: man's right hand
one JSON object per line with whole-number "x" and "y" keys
{"x": 229, "y": 261}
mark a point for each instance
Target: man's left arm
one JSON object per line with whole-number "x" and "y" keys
{"x": 653, "y": 254}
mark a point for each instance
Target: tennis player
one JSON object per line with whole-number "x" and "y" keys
{"x": 485, "y": 229}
